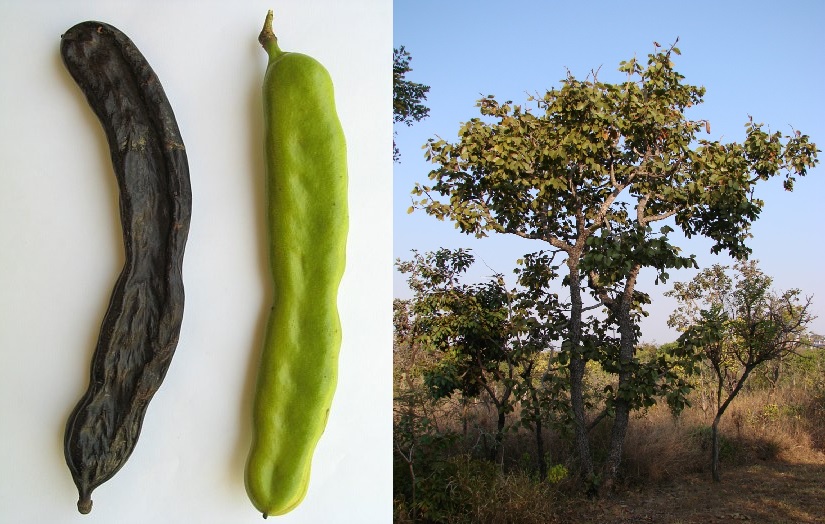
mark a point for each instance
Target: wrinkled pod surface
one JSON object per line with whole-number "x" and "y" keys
{"x": 140, "y": 329}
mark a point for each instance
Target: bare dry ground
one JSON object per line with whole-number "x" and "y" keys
{"x": 769, "y": 492}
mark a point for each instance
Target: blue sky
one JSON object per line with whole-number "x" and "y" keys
{"x": 759, "y": 58}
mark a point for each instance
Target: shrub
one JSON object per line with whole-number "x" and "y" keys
{"x": 421, "y": 469}
{"x": 557, "y": 473}
{"x": 494, "y": 496}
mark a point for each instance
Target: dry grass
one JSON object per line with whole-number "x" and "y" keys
{"x": 785, "y": 426}
{"x": 772, "y": 469}
{"x": 659, "y": 448}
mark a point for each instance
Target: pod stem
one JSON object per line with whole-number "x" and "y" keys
{"x": 268, "y": 39}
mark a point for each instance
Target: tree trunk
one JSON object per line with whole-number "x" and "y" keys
{"x": 535, "y": 411}
{"x": 617, "y": 436}
{"x": 413, "y": 503}
{"x": 542, "y": 460}
{"x": 464, "y": 426}
{"x": 622, "y": 406}
{"x": 627, "y": 348}
{"x": 495, "y": 452}
{"x": 577, "y": 367}
{"x": 714, "y": 458}
{"x": 542, "y": 463}
{"x": 714, "y": 449}
{"x": 773, "y": 377}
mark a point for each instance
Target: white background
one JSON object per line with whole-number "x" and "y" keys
{"x": 61, "y": 251}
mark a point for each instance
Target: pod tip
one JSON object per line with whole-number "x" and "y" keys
{"x": 84, "y": 505}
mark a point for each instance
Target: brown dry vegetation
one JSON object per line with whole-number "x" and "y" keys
{"x": 773, "y": 467}
{"x": 771, "y": 491}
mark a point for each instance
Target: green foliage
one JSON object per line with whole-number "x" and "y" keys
{"x": 481, "y": 332}
{"x": 770, "y": 412}
{"x": 408, "y": 97}
{"x": 528, "y": 173}
{"x": 663, "y": 372}
{"x": 484, "y": 339}
{"x": 544, "y": 396}
{"x": 739, "y": 323}
{"x": 557, "y": 473}
{"x": 805, "y": 369}
{"x": 437, "y": 500}
{"x": 614, "y": 254}
{"x": 421, "y": 466}
{"x": 467, "y": 325}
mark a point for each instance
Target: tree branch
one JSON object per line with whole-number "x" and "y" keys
{"x": 599, "y": 418}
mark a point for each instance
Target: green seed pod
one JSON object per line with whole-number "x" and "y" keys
{"x": 306, "y": 187}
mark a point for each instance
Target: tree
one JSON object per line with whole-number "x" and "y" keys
{"x": 467, "y": 326}
{"x": 588, "y": 175}
{"x": 419, "y": 468}
{"x": 484, "y": 339}
{"x": 408, "y": 96}
{"x": 739, "y": 324}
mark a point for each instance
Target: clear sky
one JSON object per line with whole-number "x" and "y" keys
{"x": 759, "y": 58}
